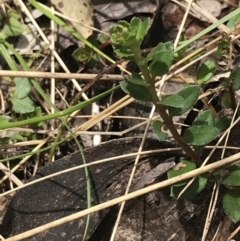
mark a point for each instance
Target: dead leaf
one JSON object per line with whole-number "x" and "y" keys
{"x": 81, "y": 11}
{"x": 107, "y": 12}
{"x": 212, "y": 6}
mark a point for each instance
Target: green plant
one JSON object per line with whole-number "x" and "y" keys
{"x": 20, "y": 99}
{"x": 141, "y": 86}
{"x": 24, "y": 111}
{"x": 126, "y": 38}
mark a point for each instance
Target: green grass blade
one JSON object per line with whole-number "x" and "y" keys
{"x": 208, "y": 29}
{"x": 64, "y": 121}
{"x": 61, "y": 23}
{"x": 59, "y": 113}
{"x": 4, "y": 52}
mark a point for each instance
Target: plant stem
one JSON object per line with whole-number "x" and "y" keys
{"x": 161, "y": 109}
{"x": 170, "y": 125}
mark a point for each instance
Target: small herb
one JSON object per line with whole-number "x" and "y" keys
{"x": 126, "y": 39}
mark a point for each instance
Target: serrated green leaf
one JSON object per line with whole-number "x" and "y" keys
{"x": 161, "y": 51}
{"x": 231, "y": 176}
{"x": 222, "y": 123}
{"x": 196, "y": 187}
{"x": 231, "y": 204}
{"x": 200, "y": 135}
{"x": 205, "y": 118}
{"x": 135, "y": 23}
{"x": 120, "y": 32}
{"x": 157, "y": 129}
{"x": 138, "y": 80}
{"x": 23, "y": 87}
{"x": 173, "y": 100}
{"x": 190, "y": 95}
{"x": 162, "y": 57}
{"x": 205, "y": 71}
{"x": 139, "y": 28}
{"x": 142, "y": 29}
{"x": 123, "y": 51}
{"x": 158, "y": 68}
{"x": 127, "y": 34}
{"x": 22, "y": 106}
{"x": 136, "y": 91}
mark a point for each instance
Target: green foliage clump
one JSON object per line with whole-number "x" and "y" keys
{"x": 126, "y": 39}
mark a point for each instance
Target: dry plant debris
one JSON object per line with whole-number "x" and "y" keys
{"x": 26, "y": 144}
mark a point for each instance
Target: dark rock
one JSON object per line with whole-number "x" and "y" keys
{"x": 152, "y": 217}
